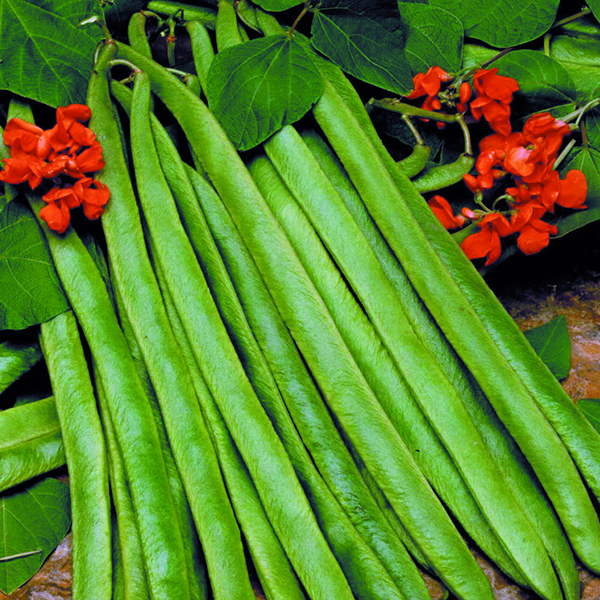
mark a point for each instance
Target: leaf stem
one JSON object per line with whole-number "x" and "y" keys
{"x": 563, "y": 155}
{"x": 413, "y": 130}
{"x": 467, "y": 134}
{"x": 290, "y": 33}
{"x": 395, "y": 105}
{"x": 582, "y": 13}
{"x": 21, "y": 555}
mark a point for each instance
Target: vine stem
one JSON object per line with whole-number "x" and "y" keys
{"x": 21, "y": 555}
{"x": 394, "y": 105}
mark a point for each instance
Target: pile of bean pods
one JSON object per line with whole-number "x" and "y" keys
{"x": 293, "y": 371}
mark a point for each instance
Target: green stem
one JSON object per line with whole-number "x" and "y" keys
{"x": 394, "y": 105}
{"x": 413, "y": 130}
{"x": 582, "y": 13}
{"x": 21, "y": 555}
{"x": 563, "y": 155}
{"x": 459, "y": 118}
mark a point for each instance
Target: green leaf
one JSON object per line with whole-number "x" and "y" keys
{"x": 544, "y": 84}
{"x": 276, "y": 5}
{"x": 552, "y": 343}
{"x": 15, "y": 360}
{"x": 30, "y": 292}
{"x": 502, "y": 23}
{"x": 258, "y": 87}
{"x": 36, "y": 517}
{"x": 365, "y": 39}
{"x": 578, "y": 54}
{"x": 45, "y": 56}
{"x": 433, "y": 37}
{"x": 595, "y": 7}
{"x": 590, "y": 407}
{"x": 118, "y": 12}
{"x": 586, "y": 160}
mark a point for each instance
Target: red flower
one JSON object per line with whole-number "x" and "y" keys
{"x": 428, "y": 83}
{"x": 487, "y": 241}
{"x": 494, "y": 94}
{"x": 464, "y": 96}
{"x": 573, "y": 190}
{"x": 57, "y": 216}
{"x": 443, "y": 211}
{"x": 534, "y": 234}
{"x": 93, "y": 198}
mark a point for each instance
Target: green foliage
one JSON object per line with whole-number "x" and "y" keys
{"x": 502, "y": 23}
{"x": 15, "y": 360}
{"x": 433, "y": 37}
{"x": 30, "y": 292}
{"x": 552, "y": 343}
{"x": 544, "y": 84}
{"x": 591, "y": 409}
{"x": 276, "y": 5}
{"x": 34, "y": 517}
{"x": 586, "y": 160}
{"x": 366, "y": 39}
{"x": 45, "y": 56}
{"x": 258, "y": 87}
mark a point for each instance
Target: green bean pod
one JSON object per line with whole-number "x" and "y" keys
{"x": 278, "y": 487}
{"x": 205, "y": 14}
{"x": 133, "y": 581}
{"x": 85, "y": 452}
{"x": 30, "y": 442}
{"x": 508, "y": 458}
{"x": 275, "y": 573}
{"x": 415, "y": 162}
{"x": 188, "y": 437}
{"x": 136, "y": 34}
{"x": 438, "y": 178}
{"x": 419, "y": 367}
{"x": 396, "y": 476}
{"x": 469, "y": 315}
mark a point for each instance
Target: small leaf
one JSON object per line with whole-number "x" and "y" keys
{"x": 258, "y": 87}
{"x": 45, "y": 56}
{"x": 276, "y": 5}
{"x": 34, "y": 517}
{"x": 502, "y": 23}
{"x": 552, "y": 343}
{"x": 30, "y": 292}
{"x": 433, "y": 37}
{"x": 586, "y": 160}
{"x": 15, "y": 360}
{"x": 590, "y": 407}
{"x": 544, "y": 83}
{"x": 595, "y": 7}
{"x": 365, "y": 39}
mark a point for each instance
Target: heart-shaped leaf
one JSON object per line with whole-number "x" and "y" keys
{"x": 365, "y": 39}
{"x": 258, "y": 87}
{"x": 30, "y": 292}
{"x": 544, "y": 84}
{"x": 591, "y": 409}
{"x": 45, "y": 56}
{"x": 433, "y": 37}
{"x": 586, "y": 160}
{"x": 502, "y": 23}
{"x": 552, "y": 343}
{"x": 35, "y": 518}
{"x": 15, "y": 360}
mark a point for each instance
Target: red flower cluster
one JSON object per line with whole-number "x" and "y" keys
{"x": 494, "y": 95}
{"x": 69, "y": 148}
{"x": 429, "y": 84}
{"x": 528, "y": 156}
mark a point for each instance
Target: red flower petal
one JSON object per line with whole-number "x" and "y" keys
{"x": 57, "y": 216}
{"x": 443, "y": 211}
{"x": 573, "y": 190}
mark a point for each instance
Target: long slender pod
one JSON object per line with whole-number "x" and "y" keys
{"x": 391, "y": 388}
{"x": 302, "y": 397}
{"x": 427, "y": 381}
{"x": 315, "y": 426}
{"x": 470, "y": 317}
{"x": 30, "y": 442}
{"x": 264, "y": 318}
{"x": 275, "y": 573}
{"x": 202, "y": 49}
{"x": 129, "y": 408}
{"x": 274, "y": 477}
{"x": 136, "y": 34}
{"x": 509, "y": 460}
{"x": 390, "y": 461}
{"x": 85, "y": 451}
{"x": 196, "y": 564}
{"x": 188, "y": 437}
